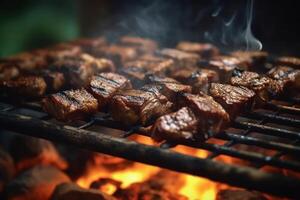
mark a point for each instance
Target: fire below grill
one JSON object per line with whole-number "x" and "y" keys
{"x": 279, "y": 120}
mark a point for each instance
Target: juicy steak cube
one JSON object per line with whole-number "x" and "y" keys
{"x": 252, "y": 59}
{"x": 141, "y": 44}
{"x": 181, "y": 58}
{"x": 288, "y": 61}
{"x": 136, "y": 106}
{"x": 104, "y": 85}
{"x": 177, "y": 126}
{"x": 70, "y": 105}
{"x": 54, "y": 80}
{"x": 212, "y": 116}
{"x": 203, "y": 49}
{"x": 234, "y": 99}
{"x": 25, "y": 86}
{"x": 288, "y": 76}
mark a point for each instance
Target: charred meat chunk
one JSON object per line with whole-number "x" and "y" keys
{"x": 263, "y": 86}
{"x": 88, "y": 44}
{"x": 143, "y": 45}
{"x": 70, "y": 105}
{"x": 223, "y": 65}
{"x": 199, "y": 79}
{"x": 137, "y": 106}
{"x": 252, "y": 59}
{"x": 55, "y": 81}
{"x": 211, "y": 115}
{"x": 104, "y": 85}
{"x": 79, "y": 70}
{"x": 234, "y": 99}
{"x": 181, "y": 58}
{"x": 24, "y": 86}
{"x": 60, "y": 51}
{"x": 169, "y": 86}
{"x": 288, "y": 61}
{"x": 205, "y": 50}
{"x": 135, "y": 74}
{"x": 119, "y": 54}
{"x": 8, "y": 71}
{"x": 290, "y": 77}
{"x": 177, "y": 126}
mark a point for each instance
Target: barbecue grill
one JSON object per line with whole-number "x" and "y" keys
{"x": 279, "y": 118}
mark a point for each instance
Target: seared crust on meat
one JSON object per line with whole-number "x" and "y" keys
{"x": 137, "y": 106}
{"x": 70, "y": 105}
{"x": 143, "y": 45}
{"x": 104, "y": 85}
{"x": 25, "y": 87}
{"x": 8, "y": 71}
{"x": 288, "y": 61}
{"x": 212, "y": 116}
{"x": 205, "y": 50}
{"x": 234, "y": 99}
{"x": 88, "y": 44}
{"x": 176, "y": 126}
{"x": 252, "y": 59}
{"x": 290, "y": 77}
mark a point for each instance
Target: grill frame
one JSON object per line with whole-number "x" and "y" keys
{"x": 240, "y": 176}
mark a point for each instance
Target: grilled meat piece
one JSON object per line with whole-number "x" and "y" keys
{"x": 24, "y": 86}
{"x": 104, "y": 85}
{"x": 60, "y": 51}
{"x": 252, "y": 59}
{"x": 223, "y": 65}
{"x": 135, "y": 74}
{"x": 70, "y": 105}
{"x": 288, "y": 76}
{"x": 288, "y": 61}
{"x": 233, "y": 194}
{"x": 78, "y": 70}
{"x": 199, "y": 79}
{"x": 169, "y": 86}
{"x": 137, "y": 106}
{"x": 119, "y": 54}
{"x": 88, "y": 44}
{"x": 234, "y": 99}
{"x": 54, "y": 80}
{"x": 8, "y": 71}
{"x": 177, "y": 126}
{"x": 181, "y": 58}
{"x": 263, "y": 86}
{"x": 205, "y": 50}
{"x": 211, "y": 115}
{"x": 143, "y": 45}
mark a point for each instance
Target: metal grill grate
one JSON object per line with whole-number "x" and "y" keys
{"x": 275, "y": 128}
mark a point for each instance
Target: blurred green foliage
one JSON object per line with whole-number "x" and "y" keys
{"x": 29, "y": 24}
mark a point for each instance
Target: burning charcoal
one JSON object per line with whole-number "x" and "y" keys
{"x": 288, "y": 76}
{"x": 168, "y": 86}
{"x": 181, "y": 58}
{"x": 231, "y": 194}
{"x": 28, "y": 152}
{"x": 24, "y": 86}
{"x": 211, "y": 115}
{"x": 8, "y": 71}
{"x": 70, "y": 104}
{"x": 252, "y": 59}
{"x": 119, "y": 54}
{"x": 37, "y": 183}
{"x": 7, "y": 169}
{"x": 223, "y": 65}
{"x": 233, "y": 99}
{"x": 78, "y": 70}
{"x": 71, "y": 191}
{"x": 89, "y": 44}
{"x": 177, "y": 126}
{"x": 137, "y": 106}
{"x": 141, "y": 44}
{"x": 106, "y": 185}
{"x": 288, "y": 61}
{"x": 261, "y": 85}
{"x": 104, "y": 85}
{"x": 203, "y": 49}
{"x": 199, "y": 79}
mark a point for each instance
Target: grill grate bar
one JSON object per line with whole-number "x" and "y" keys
{"x": 283, "y": 108}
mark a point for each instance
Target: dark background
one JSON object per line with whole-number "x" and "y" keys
{"x": 29, "y": 24}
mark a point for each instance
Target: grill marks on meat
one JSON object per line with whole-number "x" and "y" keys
{"x": 181, "y": 58}
{"x": 104, "y": 85}
{"x": 233, "y": 99}
{"x": 78, "y": 70}
{"x": 211, "y": 115}
{"x": 177, "y": 126}
{"x": 137, "y": 106}
{"x": 24, "y": 86}
{"x": 287, "y": 76}
{"x": 70, "y": 105}
{"x": 205, "y": 50}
